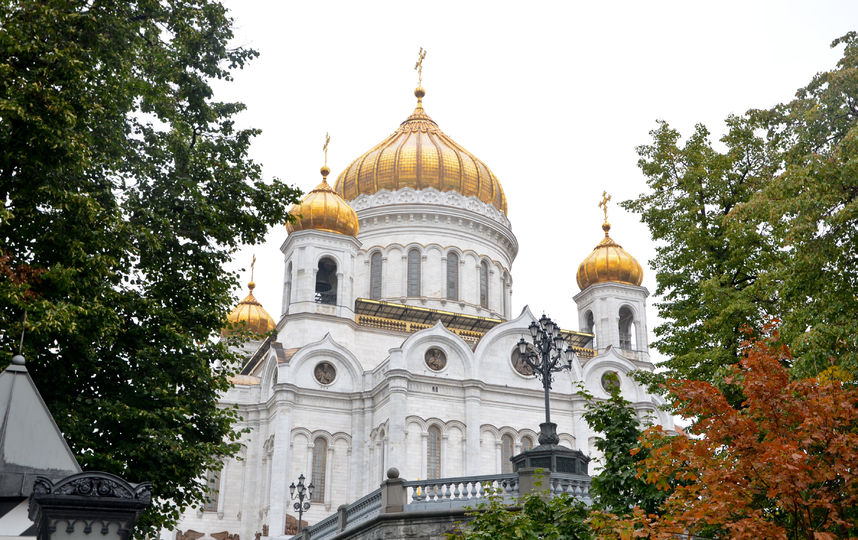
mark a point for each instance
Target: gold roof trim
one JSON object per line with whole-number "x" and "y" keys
{"x": 409, "y": 319}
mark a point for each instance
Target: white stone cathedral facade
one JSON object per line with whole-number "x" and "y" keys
{"x": 396, "y": 344}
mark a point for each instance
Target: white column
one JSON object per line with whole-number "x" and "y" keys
{"x": 356, "y": 451}
{"x": 444, "y": 447}
{"x": 396, "y": 453}
{"x": 221, "y": 491}
{"x": 472, "y": 431}
{"x": 278, "y": 484}
{"x": 404, "y": 282}
{"x": 424, "y": 455}
{"x": 329, "y": 467}
{"x": 498, "y": 457}
{"x": 580, "y": 430}
{"x": 308, "y": 469}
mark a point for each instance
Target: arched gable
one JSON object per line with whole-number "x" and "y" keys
{"x": 348, "y": 369}
{"x": 460, "y": 358}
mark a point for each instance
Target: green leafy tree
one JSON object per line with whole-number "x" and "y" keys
{"x": 764, "y": 225}
{"x": 810, "y": 208}
{"x": 620, "y": 487}
{"x": 125, "y": 188}
{"x": 708, "y": 272}
{"x": 535, "y": 517}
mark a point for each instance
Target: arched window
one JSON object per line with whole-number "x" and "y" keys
{"x": 212, "y": 491}
{"x": 626, "y": 321}
{"x": 414, "y": 272}
{"x": 506, "y": 453}
{"x": 326, "y": 282}
{"x": 320, "y": 458}
{"x": 484, "y": 284}
{"x": 433, "y": 453}
{"x": 375, "y": 276}
{"x": 526, "y": 444}
{"x": 452, "y": 276}
{"x": 589, "y": 326}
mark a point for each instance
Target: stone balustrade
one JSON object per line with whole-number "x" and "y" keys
{"x": 415, "y": 499}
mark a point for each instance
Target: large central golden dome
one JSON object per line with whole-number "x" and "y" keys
{"x": 419, "y": 155}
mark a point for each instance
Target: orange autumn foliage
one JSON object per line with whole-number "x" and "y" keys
{"x": 784, "y": 466}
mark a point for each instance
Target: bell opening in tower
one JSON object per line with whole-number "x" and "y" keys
{"x": 326, "y": 282}
{"x": 626, "y": 328}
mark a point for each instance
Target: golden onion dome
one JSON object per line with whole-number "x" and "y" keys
{"x": 323, "y": 210}
{"x": 250, "y": 314}
{"x": 419, "y": 155}
{"x": 609, "y": 262}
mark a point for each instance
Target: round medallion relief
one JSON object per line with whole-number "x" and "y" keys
{"x": 610, "y": 381}
{"x": 518, "y": 363}
{"x": 325, "y": 372}
{"x": 435, "y": 359}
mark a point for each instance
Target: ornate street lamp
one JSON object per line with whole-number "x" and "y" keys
{"x": 548, "y": 354}
{"x": 303, "y": 492}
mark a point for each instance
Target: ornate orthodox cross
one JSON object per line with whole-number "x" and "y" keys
{"x": 325, "y": 148}
{"x": 604, "y": 204}
{"x": 419, "y": 66}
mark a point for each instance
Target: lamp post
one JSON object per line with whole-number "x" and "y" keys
{"x": 545, "y": 356}
{"x": 303, "y": 492}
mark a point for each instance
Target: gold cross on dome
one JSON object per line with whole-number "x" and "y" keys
{"x": 604, "y": 204}
{"x": 252, "y": 265}
{"x": 325, "y": 148}
{"x": 419, "y": 66}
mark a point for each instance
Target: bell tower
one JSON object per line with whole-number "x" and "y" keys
{"x": 320, "y": 253}
{"x": 612, "y": 302}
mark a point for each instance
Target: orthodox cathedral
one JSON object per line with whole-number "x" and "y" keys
{"x": 396, "y": 345}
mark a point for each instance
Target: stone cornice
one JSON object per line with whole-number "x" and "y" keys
{"x": 429, "y": 196}
{"x": 613, "y": 288}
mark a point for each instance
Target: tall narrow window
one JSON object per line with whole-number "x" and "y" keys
{"x": 433, "y": 453}
{"x": 414, "y": 272}
{"x": 526, "y": 444}
{"x": 506, "y": 453}
{"x": 484, "y": 284}
{"x": 375, "y": 276}
{"x": 625, "y": 328}
{"x": 326, "y": 282}
{"x": 452, "y": 276}
{"x": 320, "y": 458}
{"x": 212, "y": 491}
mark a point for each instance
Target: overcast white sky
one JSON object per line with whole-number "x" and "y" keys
{"x": 552, "y": 96}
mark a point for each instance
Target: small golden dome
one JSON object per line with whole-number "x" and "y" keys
{"x": 323, "y": 210}
{"x": 419, "y": 155}
{"x": 250, "y": 312}
{"x": 609, "y": 262}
